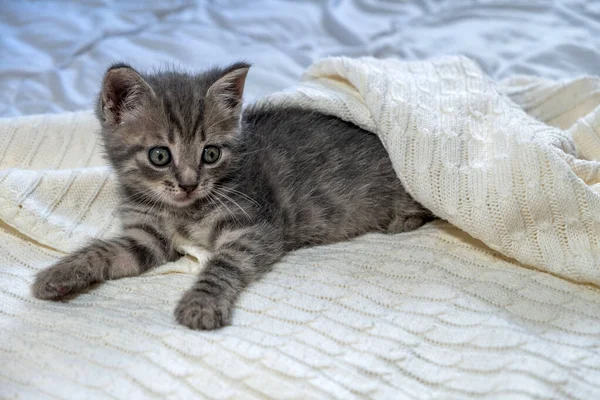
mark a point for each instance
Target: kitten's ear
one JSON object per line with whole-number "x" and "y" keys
{"x": 229, "y": 88}
{"x": 123, "y": 92}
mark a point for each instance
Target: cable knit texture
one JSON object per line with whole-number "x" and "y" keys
{"x": 474, "y": 157}
{"x": 434, "y": 313}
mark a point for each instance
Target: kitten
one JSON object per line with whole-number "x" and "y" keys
{"x": 193, "y": 169}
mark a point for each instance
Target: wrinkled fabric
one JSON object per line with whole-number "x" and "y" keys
{"x": 55, "y": 52}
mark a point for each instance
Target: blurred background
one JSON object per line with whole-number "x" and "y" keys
{"x": 54, "y": 53}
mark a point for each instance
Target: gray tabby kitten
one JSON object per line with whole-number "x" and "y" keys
{"x": 193, "y": 169}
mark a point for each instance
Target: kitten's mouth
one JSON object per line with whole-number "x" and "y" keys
{"x": 184, "y": 199}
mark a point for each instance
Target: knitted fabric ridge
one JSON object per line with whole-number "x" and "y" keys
{"x": 526, "y": 187}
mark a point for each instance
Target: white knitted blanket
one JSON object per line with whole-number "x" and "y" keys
{"x": 430, "y": 314}
{"x": 475, "y": 158}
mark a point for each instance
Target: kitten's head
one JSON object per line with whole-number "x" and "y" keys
{"x": 170, "y": 136}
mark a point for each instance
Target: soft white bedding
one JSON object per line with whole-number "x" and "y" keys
{"x": 431, "y": 314}
{"x": 526, "y": 187}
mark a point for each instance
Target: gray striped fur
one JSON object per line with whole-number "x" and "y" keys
{"x": 287, "y": 178}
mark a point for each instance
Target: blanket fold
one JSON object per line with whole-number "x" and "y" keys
{"x": 526, "y": 187}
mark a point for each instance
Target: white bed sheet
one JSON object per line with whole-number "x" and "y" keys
{"x": 53, "y": 54}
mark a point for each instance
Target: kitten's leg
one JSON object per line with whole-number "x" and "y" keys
{"x": 139, "y": 249}
{"x": 410, "y": 215}
{"x": 240, "y": 257}
{"x": 407, "y": 223}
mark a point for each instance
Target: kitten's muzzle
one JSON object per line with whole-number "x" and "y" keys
{"x": 188, "y": 188}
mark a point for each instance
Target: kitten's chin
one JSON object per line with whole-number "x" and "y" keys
{"x": 183, "y": 201}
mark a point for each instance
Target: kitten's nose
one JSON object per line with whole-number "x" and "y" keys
{"x": 188, "y": 188}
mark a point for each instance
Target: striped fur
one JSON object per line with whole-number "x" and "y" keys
{"x": 286, "y": 178}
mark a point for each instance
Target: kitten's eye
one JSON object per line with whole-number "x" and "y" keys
{"x": 211, "y": 154}
{"x": 159, "y": 156}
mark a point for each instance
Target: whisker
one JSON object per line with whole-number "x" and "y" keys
{"x": 234, "y": 202}
{"x": 149, "y": 200}
{"x": 209, "y": 197}
{"x": 249, "y": 152}
{"x": 234, "y": 191}
{"x": 228, "y": 209}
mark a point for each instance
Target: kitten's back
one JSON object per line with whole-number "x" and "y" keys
{"x": 331, "y": 179}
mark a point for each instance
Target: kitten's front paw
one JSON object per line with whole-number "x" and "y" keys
{"x": 200, "y": 310}
{"x": 61, "y": 279}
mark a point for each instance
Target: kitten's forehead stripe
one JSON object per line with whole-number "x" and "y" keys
{"x": 196, "y": 129}
{"x": 171, "y": 115}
